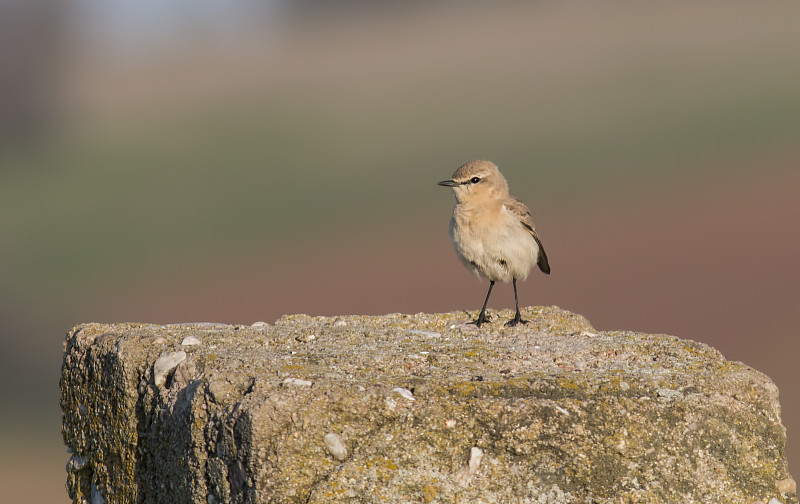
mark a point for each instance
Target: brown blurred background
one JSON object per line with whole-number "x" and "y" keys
{"x": 235, "y": 160}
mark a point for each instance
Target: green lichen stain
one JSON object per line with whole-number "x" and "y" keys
{"x": 105, "y": 427}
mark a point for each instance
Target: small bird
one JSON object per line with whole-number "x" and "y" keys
{"x": 492, "y": 231}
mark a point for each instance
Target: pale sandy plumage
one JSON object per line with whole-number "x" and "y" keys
{"x": 492, "y": 231}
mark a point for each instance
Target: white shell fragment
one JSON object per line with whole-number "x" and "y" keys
{"x": 335, "y": 446}
{"x": 190, "y": 341}
{"x": 297, "y": 382}
{"x": 405, "y": 393}
{"x": 465, "y": 474}
{"x": 475, "y": 457}
{"x": 432, "y": 334}
{"x": 165, "y": 364}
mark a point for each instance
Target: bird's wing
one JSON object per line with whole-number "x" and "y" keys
{"x": 521, "y": 212}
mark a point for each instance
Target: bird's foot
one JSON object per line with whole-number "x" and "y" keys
{"x": 516, "y": 320}
{"x": 482, "y": 319}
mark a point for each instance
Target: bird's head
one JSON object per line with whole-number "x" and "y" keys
{"x": 477, "y": 181}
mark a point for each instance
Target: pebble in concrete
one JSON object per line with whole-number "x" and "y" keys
{"x": 190, "y": 341}
{"x": 165, "y": 364}
{"x": 335, "y": 446}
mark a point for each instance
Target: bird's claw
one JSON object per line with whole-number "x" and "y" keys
{"x": 515, "y": 321}
{"x": 482, "y": 319}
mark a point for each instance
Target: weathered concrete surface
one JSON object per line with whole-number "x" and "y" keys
{"x": 414, "y": 408}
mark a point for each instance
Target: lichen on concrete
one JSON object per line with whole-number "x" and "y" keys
{"x": 415, "y": 408}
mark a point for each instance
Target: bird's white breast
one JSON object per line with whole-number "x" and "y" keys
{"x": 492, "y": 243}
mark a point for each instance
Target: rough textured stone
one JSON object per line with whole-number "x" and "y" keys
{"x": 415, "y": 408}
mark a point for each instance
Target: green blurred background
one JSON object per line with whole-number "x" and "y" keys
{"x": 232, "y": 161}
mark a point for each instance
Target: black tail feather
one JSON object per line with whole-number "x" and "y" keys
{"x": 542, "y": 262}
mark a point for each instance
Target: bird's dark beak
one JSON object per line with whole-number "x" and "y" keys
{"x": 447, "y": 183}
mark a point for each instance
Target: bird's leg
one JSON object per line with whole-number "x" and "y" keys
{"x": 482, "y": 317}
{"x": 517, "y": 317}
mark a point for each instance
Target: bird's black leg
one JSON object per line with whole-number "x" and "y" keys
{"x": 482, "y": 317}
{"x": 517, "y": 317}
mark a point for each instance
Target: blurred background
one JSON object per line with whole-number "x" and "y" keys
{"x": 236, "y": 160}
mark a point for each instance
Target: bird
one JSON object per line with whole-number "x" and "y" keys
{"x": 492, "y": 231}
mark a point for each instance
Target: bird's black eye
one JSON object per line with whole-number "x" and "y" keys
{"x": 474, "y": 180}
